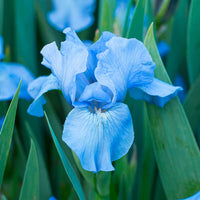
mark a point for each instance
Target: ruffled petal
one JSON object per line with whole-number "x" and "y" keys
{"x": 67, "y": 63}
{"x": 157, "y": 92}
{"x": 1, "y": 49}
{"x": 10, "y": 76}
{"x": 125, "y": 64}
{"x": 76, "y": 14}
{"x": 36, "y": 89}
{"x": 99, "y": 138}
{"x": 94, "y": 92}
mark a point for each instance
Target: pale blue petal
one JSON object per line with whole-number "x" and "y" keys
{"x": 52, "y": 198}
{"x": 1, "y": 49}
{"x": 99, "y": 138}
{"x": 87, "y": 43}
{"x": 179, "y": 81}
{"x": 125, "y": 64}
{"x": 36, "y": 89}
{"x": 163, "y": 48}
{"x": 67, "y": 63}
{"x": 194, "y": 197}
{"x": 10, "y": 76}
{"x": 100, "y": 45}
{"x": 77, "y": 14}
{"x": 157, "y": 92}
{"x": 94, "y": 92}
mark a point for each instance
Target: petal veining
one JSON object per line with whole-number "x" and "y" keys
{"x": 99, "y": 138}
{"x": 125, "y": 64}
{"x": 67, "y": 63}
{"x": 157, "y": 92}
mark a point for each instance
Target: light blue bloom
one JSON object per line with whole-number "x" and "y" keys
{"x": 194, "y": 197}
{"x": 163, "y": 48}
{"x": 1, "y": 122}
{"x": 52, "y": 198}
{"x": 10, "y": 76}
{"x": 77, "y": 14}
{"x": 95, "y": 81}
{"x": 1, "y": 48}
{"x": 179, "y": 80}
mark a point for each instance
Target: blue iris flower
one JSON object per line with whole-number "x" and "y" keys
{"x": 1, "y": 122}
{"x": 194, "y": 197}
{"x": 52, "y": 198}
{"x": 10, "y": 76}
{"x": 95, "y": 81}
{"x": 77, "y": 14}
{"x": 120, "y": 15}
{"x": 163, "y": 48}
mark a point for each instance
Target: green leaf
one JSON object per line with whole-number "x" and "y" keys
{"x": 192, "y": 105}
{"x": 7, "y": 132}
{"x": 103, "y": 183}
{"x": 149, "y": 12}
{"x": 137, "y": 22}
{"x": 162, "y": 10}
{"x": 147, "y": 165}
{"x": 48, "y": 33}
{"x": 1, "y": 16}
{"x": 2, "y": 197}
{"x": 175, "y": 148}
{"x": 127, "y": 18}
{"x": 106, "y": 15}
{"x": 68, "y": 168}
{"x": 30, "y": 186}
{"x": 25, "y": 34}
{"x": 193, "y": 42}
{"x": 176, "y": 60}
{"x": 88, "y": 176}
{"x": 45, "y": 186}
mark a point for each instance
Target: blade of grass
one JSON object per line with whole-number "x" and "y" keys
{"x": 66, "y": 164}
{"x": 137, "y": 22}
{"x": 45, "y": 187}
{"x": 192, "y": 106}
{"x": 176, "y": 60}
{"x": 193, "y": 41}
{"x": 7, "y": 132}
{"x": 106, "y": 15}
{"x": 25, "y": 34}
{"x": 30, "y": 186}
{"x": 176, "y": 151}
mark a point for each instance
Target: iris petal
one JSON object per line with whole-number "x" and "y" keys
{"x": 36, "y": 89}
{"x": 1, "y": 48}
{"x": 10, "y": 76}
{"x": 125, "y": 64}
{"x": 95, "y": 92}
{"x": 77, "y": 14}
{"x": 163, "y": 48}
{"x": 157, "y": 92}
{"x": 99, "y": 138}
{"x": 67, "y": 63}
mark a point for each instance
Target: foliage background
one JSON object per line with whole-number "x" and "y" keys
{"x": 164, "y": 160}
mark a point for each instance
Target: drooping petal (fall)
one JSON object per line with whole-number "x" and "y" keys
{"x": 36, "y": 89}
{"x": 98, "y": 138}
{"x": 157, "y": 92}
